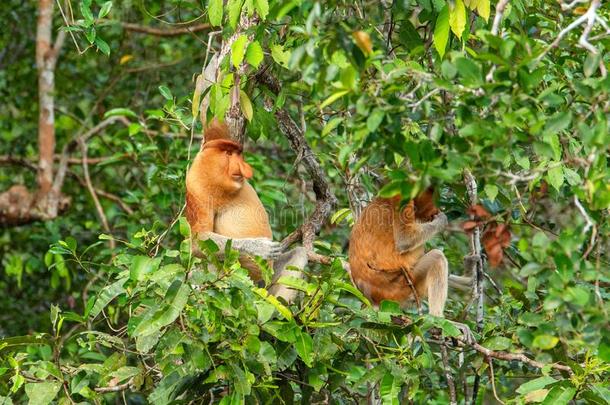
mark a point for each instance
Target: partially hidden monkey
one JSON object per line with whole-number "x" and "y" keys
{"x": 221, "y": 205}
{"x": 387, "y": 257}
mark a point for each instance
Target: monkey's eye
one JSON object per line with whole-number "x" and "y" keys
{"x": 229, "y": 153}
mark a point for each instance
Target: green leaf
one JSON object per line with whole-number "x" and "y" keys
{"x": 215, "y": 11}
{"x": 234, "y": 12}
{"x": 558, "y": 122}
{"x": 262, "y": 8}
{"x": 102, "y": 46}
{"x": 483, "y": 8}
{"x": 457, "y": 18}
{"x": 374, "y": 120}
{"x": 246, "y": 105}
{"x": 491, "y": 190}
{"x": 497, "y": 343}
{"x": 178, "y": 298}
{"x": 141, "y": 266}
{"x": 571, "y": 176}
{"x": 470, "y": 71}
{"x": 107, "y": 294}
{"x": 304, "y": 346}
{"x": 559, "y": 395}
{"x": 238, "y": 50}
{"x": 42, "y": 393}
{"x": 118, "y": 112}
{"x": 389, "y": 389}
{"x": 555, "y": 177}
{"x": 86, "y": 12}
{"x": 264, "y": 294}
{"x": 166, "y": 92}
{"x": 254, "y": 54}
{"x": 279, "y": 55}
{"x": 535, "y": 384}
{"x": 333, "y": 98}
{"x": 441, "y": 31}
{"x": 106, "y": 7}
{"x": 545, "y": 342}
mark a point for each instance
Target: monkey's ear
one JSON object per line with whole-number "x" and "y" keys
{"x": 216, "y": 130}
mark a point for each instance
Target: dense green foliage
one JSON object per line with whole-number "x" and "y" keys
{"x": 415, "y": 102}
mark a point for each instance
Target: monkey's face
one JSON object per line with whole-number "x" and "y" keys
{"x": 226, "y": 164}
{"x": 237, "y": 170}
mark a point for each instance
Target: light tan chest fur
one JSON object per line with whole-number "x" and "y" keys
{"x": 243, "y": 217}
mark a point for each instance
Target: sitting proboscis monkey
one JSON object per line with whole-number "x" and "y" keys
{"x": 387, "y": 256}
{"x": 221, "y": 205}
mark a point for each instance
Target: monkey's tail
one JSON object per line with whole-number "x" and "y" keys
{"x": 462, "y": 283}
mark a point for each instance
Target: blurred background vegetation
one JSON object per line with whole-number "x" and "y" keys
{"x": 391, "y": 96}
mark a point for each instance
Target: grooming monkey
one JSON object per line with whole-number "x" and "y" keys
{"x": 221, "y": 205}
{"x": 387, "y": 257}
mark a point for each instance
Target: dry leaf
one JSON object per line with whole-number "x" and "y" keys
{"x": 363, "y": 40}
{"x": 478, "y": 211}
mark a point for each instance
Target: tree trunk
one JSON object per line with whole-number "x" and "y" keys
{"x": 45, "y": 63}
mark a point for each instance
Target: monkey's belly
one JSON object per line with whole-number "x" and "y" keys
{"x": 242, "y": 221}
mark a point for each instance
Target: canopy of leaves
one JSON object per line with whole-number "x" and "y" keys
{"x": 392, "y": 97}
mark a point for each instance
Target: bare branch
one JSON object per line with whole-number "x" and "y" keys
{"x": 165, "y": 32}
{"x": 589, "y": 17}
{"x": 448, "y": 375}
{"x": 96, "y": 201}
{"x": 475, "y": 248}
{"x": 325, "y": 199}
{"x": 69, "y": 147}
{"x": 500, "y": 8}
{"x": 589, "y": 224}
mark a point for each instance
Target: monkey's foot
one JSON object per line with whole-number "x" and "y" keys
{"x": 466, "y": 332}
{"x": 471, "y": 260}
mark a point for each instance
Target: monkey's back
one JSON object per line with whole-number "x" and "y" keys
{"x": 375, "y": 263}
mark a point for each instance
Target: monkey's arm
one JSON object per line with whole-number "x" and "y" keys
{"x": 263, "y": 247}
{"x": 409, "y": 234}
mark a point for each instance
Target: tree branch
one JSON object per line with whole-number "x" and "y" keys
{"x": 164, "y": 32}
{"x": 325, "y": 199}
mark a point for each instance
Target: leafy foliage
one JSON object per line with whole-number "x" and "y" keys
{"x": 413, "y": 93}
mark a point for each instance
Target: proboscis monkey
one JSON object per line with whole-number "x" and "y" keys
{"x": 221, "y": 205}
{"x": 387, "y": 246}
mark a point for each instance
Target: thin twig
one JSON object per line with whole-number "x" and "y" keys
{"x": 448, "y": 375}
{"x": 492, "y": 378}
{"x": 98, "y": 207}
{"x": 407, "y": 276}
{"x": 589, "y": 224}
{"x": 475, "y": 248}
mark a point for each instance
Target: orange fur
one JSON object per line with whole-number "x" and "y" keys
{"x": 374, "y": 260}
{"x": 218, "y": 197}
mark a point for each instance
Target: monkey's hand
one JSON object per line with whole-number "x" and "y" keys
{"x": 440, "y": 221}
{"x": 265, "y": 248}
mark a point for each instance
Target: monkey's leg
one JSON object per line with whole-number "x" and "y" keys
{"x": 285, "y": 265}
{"x": 430, "y": 276}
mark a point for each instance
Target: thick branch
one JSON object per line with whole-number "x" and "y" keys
{"x": 45, "y": 64}
{"x": 164, "y": 32}
{"x": 325, "y": 199}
